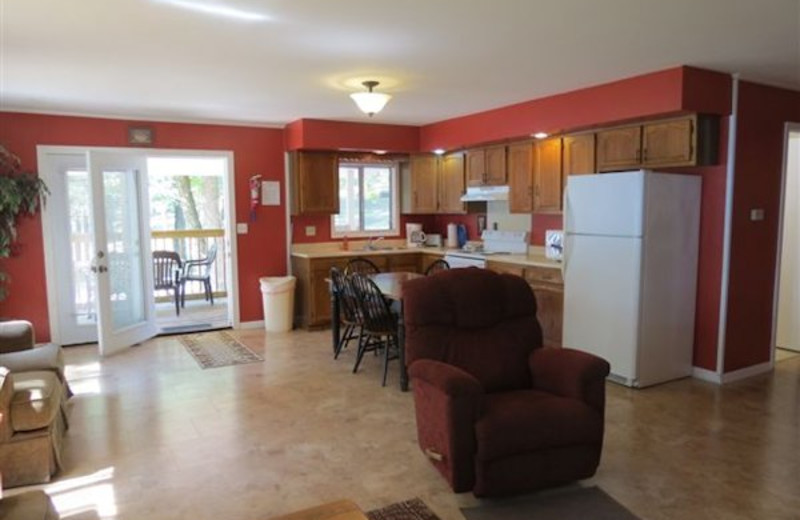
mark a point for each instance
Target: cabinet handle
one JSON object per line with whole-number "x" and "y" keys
{"x": 644, "y": 154}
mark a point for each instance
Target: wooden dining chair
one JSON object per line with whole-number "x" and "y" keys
{"x": 379, "y": 326}
{"x": 435, "y": 267}
{"x": 361, "y": 265}
{"x": 349, "y": 312}
{"x": 167, "y": 275}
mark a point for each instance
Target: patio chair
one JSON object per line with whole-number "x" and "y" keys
{"x": 199, "y": 271}
{"x": 167, "y": 275}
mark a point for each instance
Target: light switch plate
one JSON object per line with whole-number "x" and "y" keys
{"x": 311, "y": 231}
{"x": 756, "y": 214}
{"x": 241, "y": 228}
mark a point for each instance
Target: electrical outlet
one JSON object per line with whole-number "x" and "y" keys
{"x": 241, "y": 228}
{"x": 756, "y": 214}
{"x": 311, "y": 231}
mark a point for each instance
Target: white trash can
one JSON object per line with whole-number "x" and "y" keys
{"x": 277, "y": 295}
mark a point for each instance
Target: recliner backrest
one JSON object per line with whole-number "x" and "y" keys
{"x": 480, "y": 321}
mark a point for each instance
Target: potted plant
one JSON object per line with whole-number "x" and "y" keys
{"x": 20, "y": 194}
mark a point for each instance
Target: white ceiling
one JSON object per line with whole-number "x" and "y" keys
{"x": 149, "y": 59}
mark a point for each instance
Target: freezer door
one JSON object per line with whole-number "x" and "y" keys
{"x": 601, "y": 300}
{"x": 609, "y": 204}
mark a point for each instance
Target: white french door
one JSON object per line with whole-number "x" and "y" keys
{"x": 125, "y": 312}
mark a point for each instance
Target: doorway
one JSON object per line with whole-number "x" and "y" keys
{"x": 138, "y": 199}
{"x": 187, "y": 218}
{"x": 787, "y": 327}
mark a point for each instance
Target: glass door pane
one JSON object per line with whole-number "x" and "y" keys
{"x": 123, "y": 248}
{"x": 121, "y": 259}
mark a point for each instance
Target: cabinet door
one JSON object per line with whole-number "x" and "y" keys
{"x": 669, "y": 143}
{"x": 499, "y": 267}
{"x": 408, "y": 263}
{"x": 496, "y": 166}
{"x": 476, "y": 167}
{"x": 424, "y": 181}
{"x": 619, "y": 148}
{"x": 578, "y": 155}
{"x": 317, "y": 176}
{"x": 520, "y": 178}
{"x": 451, "y": 183}
{"x": 550, "y": 313}
{"x": 547, "y": 176}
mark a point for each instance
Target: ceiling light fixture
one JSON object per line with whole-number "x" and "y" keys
{"x": 370, "y": 102}
{"x": 217, "y": 10}
{"x": 541, "y": 135}
{"x": 439, "y": 151}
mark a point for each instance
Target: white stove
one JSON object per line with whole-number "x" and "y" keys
{"x": 495, "y": 243}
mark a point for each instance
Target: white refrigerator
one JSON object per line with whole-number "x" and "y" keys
{"x": 630, "y": 272}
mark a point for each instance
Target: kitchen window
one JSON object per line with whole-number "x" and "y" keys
{"x": 368, "y": 200}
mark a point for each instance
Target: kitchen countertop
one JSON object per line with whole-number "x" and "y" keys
{"x": 535, "y": 256}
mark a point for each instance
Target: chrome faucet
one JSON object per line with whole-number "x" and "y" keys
{"x": 371, "y": 243}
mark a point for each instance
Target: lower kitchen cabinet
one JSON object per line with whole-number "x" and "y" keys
{"x": 313, "y": 296}
{"x": 548, "y": 287}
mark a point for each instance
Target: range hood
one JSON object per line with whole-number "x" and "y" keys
{"x": 485, "y": 193}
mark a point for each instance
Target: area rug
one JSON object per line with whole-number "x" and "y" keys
{"x": 568, "y": 504}
{"x": 218, "y": 349}
{"x": 414, "y": 509}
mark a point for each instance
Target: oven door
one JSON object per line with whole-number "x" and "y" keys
{"x": 459, "y": 261}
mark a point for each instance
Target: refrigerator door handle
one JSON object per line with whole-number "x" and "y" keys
{"x": 565, "y": 225}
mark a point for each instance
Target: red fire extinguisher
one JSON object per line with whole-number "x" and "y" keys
{"x": 255, "y": 195}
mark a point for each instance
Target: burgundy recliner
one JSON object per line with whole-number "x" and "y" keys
{"x": 497, "y": 413}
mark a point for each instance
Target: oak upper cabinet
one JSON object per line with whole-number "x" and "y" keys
{"x": 578, "y": 155}
{"x": 619, "y": 148}
{"x": 690, "y": 140}
{"x": 314, "y": 183}
{"x": 520, "y": 177}
{"x": 547, "y": 184}
{"x": 424, "y": 184}
{"x": 685, "y": 141}
{"x": 486, "y": 166}
{"x": 451, "y": 183}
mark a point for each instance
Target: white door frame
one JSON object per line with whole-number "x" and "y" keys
{"x": 230, "y": 224}
{"x": 789, "y": 128}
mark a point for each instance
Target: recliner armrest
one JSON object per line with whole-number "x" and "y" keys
{"x": 451, "y": 380}
{"x": 447, "y": 402}
{"x": 570, "y": 373}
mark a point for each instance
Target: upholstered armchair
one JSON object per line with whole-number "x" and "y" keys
{"x": 496, "y": 413}
{"x": 33, "y": 415}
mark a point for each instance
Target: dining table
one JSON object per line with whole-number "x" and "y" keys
{"x": 391, "y": 286}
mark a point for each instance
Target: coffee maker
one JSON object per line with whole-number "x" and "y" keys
{"x": 415, "y": 237}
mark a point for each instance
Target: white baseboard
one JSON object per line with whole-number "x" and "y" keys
{"x": 729, "y": 377}
{"x": 704, "y": 374}
{"x": 744, "y": 373}
{"x": 251, "y": 324}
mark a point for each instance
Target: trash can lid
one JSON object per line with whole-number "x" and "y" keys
{"x": 276, "y": 283}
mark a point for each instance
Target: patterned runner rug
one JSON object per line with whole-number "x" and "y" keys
{"x": 414, "y": 509}
{"x": 218, "y": 349}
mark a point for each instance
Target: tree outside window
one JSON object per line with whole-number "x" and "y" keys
{"x": 368, "y": 201}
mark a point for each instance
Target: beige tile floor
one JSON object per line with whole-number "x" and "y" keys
{"x": 153, "y": 436}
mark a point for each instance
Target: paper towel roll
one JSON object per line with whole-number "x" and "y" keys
{"x": 452, "y": 236}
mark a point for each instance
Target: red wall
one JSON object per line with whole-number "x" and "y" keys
{"x": 318, "y": 134}
{"x": 641, "y": 96}
{"x": 763, "y": 112}
{"x": 256, "y": 151}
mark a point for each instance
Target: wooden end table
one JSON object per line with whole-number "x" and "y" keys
{"x": 339, "y": 510}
